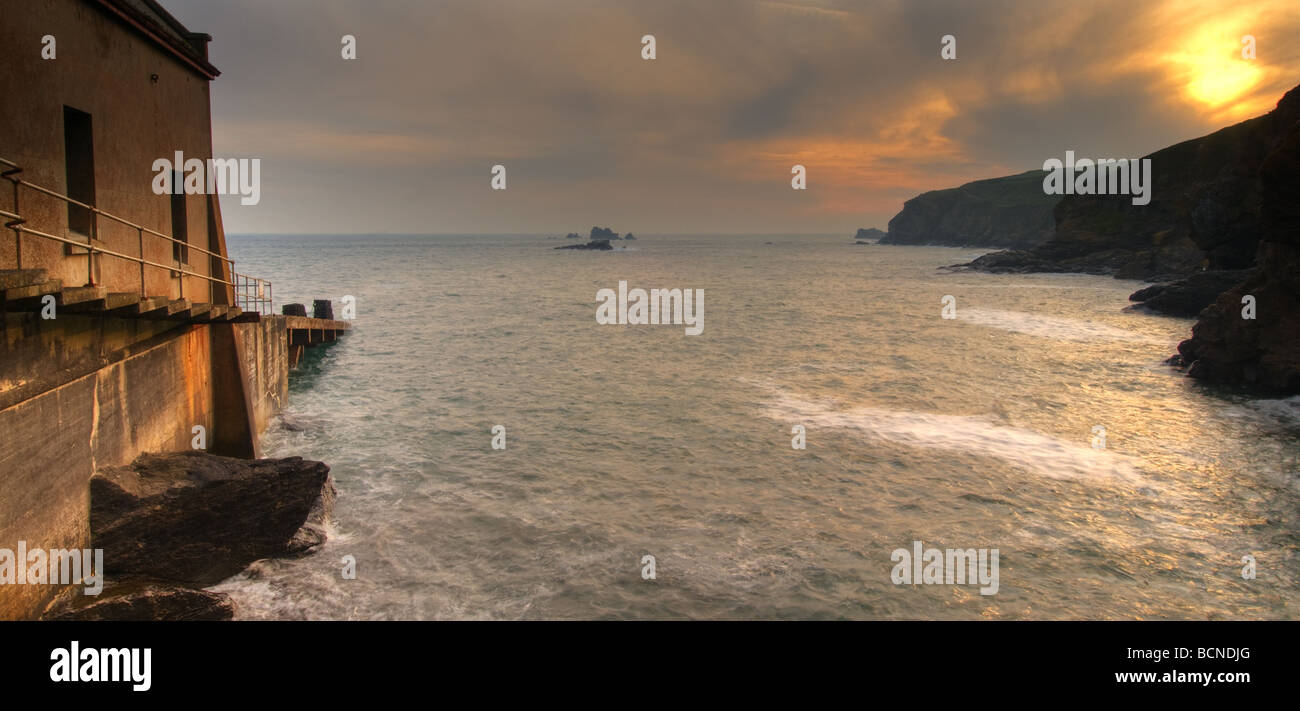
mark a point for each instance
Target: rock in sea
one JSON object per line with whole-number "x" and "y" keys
{"x": 144, "y": 600}
{"x": 594, "y": 244}
{"x": 197, "y": 518}
{"x": 1187, "y": 297}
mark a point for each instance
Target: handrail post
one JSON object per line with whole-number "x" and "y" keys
{"x": 18, "y": 235}
{"x": 140, "y": 234}
{"x": 90, "y": 248}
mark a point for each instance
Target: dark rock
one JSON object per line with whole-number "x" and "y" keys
{"x": 293, "y": 310}
{"x": 599, "y": 233}
{"x": 628, "y": 236}
{"x": 1188, "y": 297}
{"x": 1005, "y": 262}
{"x": 198, "y": 518}
{"x": 1010, "y": 212}
{"x": 867, "y": 235}
{"x": 322, "y": 308}
{"x": 594, "y": 244}
{"x": 145, "y": 600}
{"x": 573, "y": 235}
{"x": 1263, "y": 352}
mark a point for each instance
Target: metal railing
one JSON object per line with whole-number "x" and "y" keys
{"x": 251, "y": 293}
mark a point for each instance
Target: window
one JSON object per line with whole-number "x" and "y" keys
{"x": 180, "y": 252}
{"x": 79, "y": 154}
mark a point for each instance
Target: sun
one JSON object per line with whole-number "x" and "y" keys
{"x": 1213, "y": 72}
{"x": 1216, "y": 81}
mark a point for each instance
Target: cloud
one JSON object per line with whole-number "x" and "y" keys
{"x": 703, "y": 137}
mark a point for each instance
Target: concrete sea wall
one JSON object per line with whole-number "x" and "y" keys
{"x": 83, "y": 393}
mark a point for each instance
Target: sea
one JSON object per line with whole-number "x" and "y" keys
{"x": 640, "y": 472}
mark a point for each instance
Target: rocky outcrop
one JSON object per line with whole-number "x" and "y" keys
{"x": 599, "y": 233}
{"x": 573, "y": 235}
{"x": 867, "y": 235}
{"x": 1187, "y": 297}
{"x": 594, "y": 244}
{"x": 1263, "y": 352}
{"x": 1205, "y": 211}
{"x": 1010, "y": 212}
{"x": 197, "y": 518}
{"x": 629, "y": 236}
{"x": 145, "y": 600}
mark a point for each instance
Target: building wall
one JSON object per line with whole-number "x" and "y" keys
{"x": 81, "y": 393}
{"x": 103, "y": 68}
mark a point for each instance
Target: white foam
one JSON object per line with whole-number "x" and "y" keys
{"x": 1025, "y": 449}
{"x": 1053, "y": 327}
{"x": 1284, "y": 409}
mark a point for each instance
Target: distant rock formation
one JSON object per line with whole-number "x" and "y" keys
{"x": 573, "y": 235}
{"x": 869, "y": 233}
{"x": 1009, "y": 212}
{"x": 1204, "y": 211}
{"x": 603, "y": 233}
{"x": 1263, "y": 352}
{"x": 628, "y": 236}
{"x": 594, "y": 244}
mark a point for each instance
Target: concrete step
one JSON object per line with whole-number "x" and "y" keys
{"x": 144, "y": 308}
{"x": 14, "y": 278}
{"x": 192, "y": 313}
{"x": 112, "y": 302}
{"x": 173, "y": 307}
{"x": 72, "y": 295}
{"x": 28, "y": 298}
{"x": 216, "y": 312}
{"x": 66, "y": 298}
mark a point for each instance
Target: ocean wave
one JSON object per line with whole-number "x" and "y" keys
{"x": 1053, "y": 327}
{"x": 1025, "y": 449}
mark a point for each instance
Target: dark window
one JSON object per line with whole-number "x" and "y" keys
{"x": 180, "y": 252}
{"x": 79, "y": 149}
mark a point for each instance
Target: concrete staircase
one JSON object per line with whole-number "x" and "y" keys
{"x": 26, "y": 289}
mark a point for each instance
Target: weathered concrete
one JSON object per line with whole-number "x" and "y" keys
{"x": 264, "y": 350}
{"x": 82, "y": 393}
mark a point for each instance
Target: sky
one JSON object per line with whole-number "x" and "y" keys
{"x": 702, "y": 138}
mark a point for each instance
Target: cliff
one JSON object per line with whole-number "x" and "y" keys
{"x": 1010, "y": 212}
{"x": 1204, "y": 211}
{"x": 1262, "y": 352}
